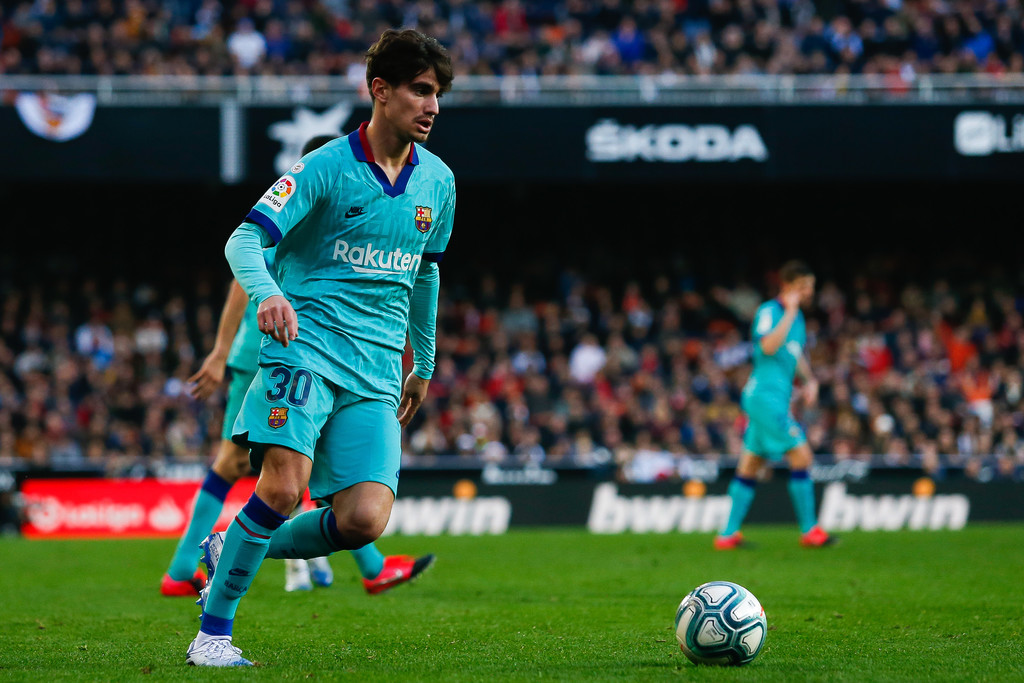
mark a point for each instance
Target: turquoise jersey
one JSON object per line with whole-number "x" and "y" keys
{"x": 245, "y": 347}
{"x": 349, "y": 246}
{"x": 774, "y": 374}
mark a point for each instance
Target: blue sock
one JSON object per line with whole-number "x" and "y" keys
{"x": 311, "y": 534}
{"x": 801, "y": 491}
{"x": 741, "y": 491}
{"x": 245, "y": 545}
{"x": 369, "y": 560}
{"x": 209, "y": 503}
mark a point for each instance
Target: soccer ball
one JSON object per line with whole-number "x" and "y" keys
{"x": 720, "y": 623}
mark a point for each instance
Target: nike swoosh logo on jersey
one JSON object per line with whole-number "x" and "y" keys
{"x": 354, "y": 211}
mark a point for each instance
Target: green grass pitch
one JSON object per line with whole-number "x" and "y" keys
{"x": 538, "y": 605}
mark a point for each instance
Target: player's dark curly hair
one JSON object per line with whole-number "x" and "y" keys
{"x": 794, "y": 270}
{"x": 400, "y": 56}
{"x": 316, "y": 142}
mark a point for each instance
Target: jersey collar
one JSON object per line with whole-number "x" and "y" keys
{"x": 361, "y": 149}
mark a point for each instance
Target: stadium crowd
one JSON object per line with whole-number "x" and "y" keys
{"x": 644, "y": 377}
{"x": 897, "y": 38}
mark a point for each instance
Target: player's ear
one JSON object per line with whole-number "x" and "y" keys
{"x": 380, "y": 90}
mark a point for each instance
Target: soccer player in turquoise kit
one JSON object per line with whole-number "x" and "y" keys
{"x": 238, "y": 363}
{"x": 360, "y": 225}
{"x": 234, "y": 355}
{"x": 779, "y": 337}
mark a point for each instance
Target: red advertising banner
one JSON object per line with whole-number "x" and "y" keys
{"x": 103, "y": 508}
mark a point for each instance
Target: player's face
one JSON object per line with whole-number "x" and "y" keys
{"x": 411, "y": 107}
{"x": 805, "y": 285}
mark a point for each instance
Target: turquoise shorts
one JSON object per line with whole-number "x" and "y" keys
{"x": 771, "y": 430}
{"x": 350, "y": 439}
{"x": 238, "y": 384}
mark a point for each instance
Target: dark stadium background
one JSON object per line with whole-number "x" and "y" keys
{"x": 704, "y": 234}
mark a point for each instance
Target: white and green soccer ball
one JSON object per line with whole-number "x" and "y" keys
{"x": 720, "y": 623}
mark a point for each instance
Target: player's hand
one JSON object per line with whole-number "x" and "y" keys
{"x": 276, "y": 317}
{"x": 209, "y": 377}
{"x": 810, "y": 392}
{"x": 791, "y": 299}
{"x": 413, "y": 393}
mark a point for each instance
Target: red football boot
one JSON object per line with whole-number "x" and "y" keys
{"x": 817, "y": 538}
{"x": 398, "y": 569}
{"x": 183, "y": 589}
{"x": 733, "y": 541}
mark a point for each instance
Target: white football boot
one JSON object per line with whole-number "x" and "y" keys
{"x": 212, "y": 547}
{"x": 321, "y": 571}
{"x": 214, "y": 651}
{"x": 296, "y": 576}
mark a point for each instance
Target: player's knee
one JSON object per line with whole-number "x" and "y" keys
{"x": 282, "y": 496}
{"x": 240, "y": 462}
{"x": 234, "y": 469}
{"x": 750, "y": 466}
{"x": 232, "y": 462}
{"x": 361, "y": 525}
{"x": 800, "y": 458}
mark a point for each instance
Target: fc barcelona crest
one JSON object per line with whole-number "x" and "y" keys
{"x": 278, "y": 416}
{"x": 423, "y": 218}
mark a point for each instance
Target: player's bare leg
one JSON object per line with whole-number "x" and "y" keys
{"x": 362, "y": 511}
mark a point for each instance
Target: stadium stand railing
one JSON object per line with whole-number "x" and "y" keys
{"x": 580, "y": 90}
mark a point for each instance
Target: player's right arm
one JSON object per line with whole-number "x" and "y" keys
{"x": 244, "y": 252}
{"x": 773, "y": 337}
{"x": 211, "y": 373}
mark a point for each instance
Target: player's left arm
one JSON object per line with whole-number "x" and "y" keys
{"x": 810, "y": 384}
{"x": 422, "y": 338}
{"x": 423, "y": 313}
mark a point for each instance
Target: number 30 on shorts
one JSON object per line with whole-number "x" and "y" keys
{"x": 295, "y": 385}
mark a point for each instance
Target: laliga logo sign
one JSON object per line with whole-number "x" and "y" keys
{"x": 981, "y": 134}
{"x": 607, "y": 140}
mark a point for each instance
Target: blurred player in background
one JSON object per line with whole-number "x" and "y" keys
{"x": 360, "y": 225}
{"x": 235, "y": 356}
{"x": 779, "y": 337}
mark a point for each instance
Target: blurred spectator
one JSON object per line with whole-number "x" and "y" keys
{"x": 645, "y": 373}
{"x": 524, "y": 37}
{"x": 247, "y": 45}
{"x": 586, "y": 360}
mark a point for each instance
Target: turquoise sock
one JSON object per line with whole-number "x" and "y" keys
{"x": 369, "y": 560}
{"x": 209, "y": 503}
{"x": 741, "y": 491}
{"x": 307, "y": 539}
{"x": 311, "y": 534}
{"x": 245, "y": 546}
{"x": 801, "y": 491}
